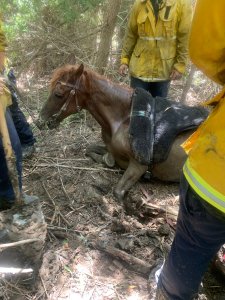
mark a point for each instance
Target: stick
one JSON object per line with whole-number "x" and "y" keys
{"x": 43, "y": 284}
{"x": 63, "y": 188}
{"x": 76, "y": 168}
{"x": 14, "y": 270}
{"x": 57, "y": 211}
{"x": 135, "y": 263}
{"x": 159, "y": 208}
{"x": 9, "y": 245}
{"x": 163, "y": 209}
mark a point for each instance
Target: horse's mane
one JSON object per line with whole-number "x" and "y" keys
{"x": 70, "y": 69}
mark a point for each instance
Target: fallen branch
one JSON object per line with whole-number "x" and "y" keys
{"x": 43, "y": 284}
{"x": 56, "y": 208}
{"x": 76, "y": 168}
{"x": 12, "y": 270}
{"x": 9, "y": 245}
{"x": 135, "y": 263}
{"x": 162, "y": 209}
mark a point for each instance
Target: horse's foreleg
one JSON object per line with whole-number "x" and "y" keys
{"x": 132, "y": 174}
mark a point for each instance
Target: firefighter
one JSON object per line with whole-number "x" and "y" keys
{"x": 155, "y": 47}
{"x": 200, "y": 231}
{"x": 24, "y": 131}
{"x": 7, "y": 191}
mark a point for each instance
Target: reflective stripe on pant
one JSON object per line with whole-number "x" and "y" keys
{"x": 6, "y": 190}
{"x": 199, "y": 236}
{"x": 156, "y": 89}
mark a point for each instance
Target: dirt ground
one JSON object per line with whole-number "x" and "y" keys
{"x": 96, "y": 247}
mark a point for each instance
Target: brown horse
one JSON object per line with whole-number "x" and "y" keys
{"x": 74, "y": 88}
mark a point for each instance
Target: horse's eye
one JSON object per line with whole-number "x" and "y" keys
{"x": 58, "y": 94}
{"x": 58, "y": 91}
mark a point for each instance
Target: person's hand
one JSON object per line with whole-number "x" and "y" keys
{"x": 175, "y": 75}
{"x": 123, "y": 70}
{"x": 2, "y": 61}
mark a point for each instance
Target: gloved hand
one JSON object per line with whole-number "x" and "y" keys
{"x": 123, "y": 70}
{"x": 175, "y": 75}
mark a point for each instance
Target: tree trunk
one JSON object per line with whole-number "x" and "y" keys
{"x": 121, "y": 29}
{"x": 109, "y": 20}
{"x": 188, "y": 84}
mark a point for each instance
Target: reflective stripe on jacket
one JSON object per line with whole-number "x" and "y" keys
{"x": 203, "y": 188}
{"x": 152, "y": 48}
{"x": 205, "y": 168}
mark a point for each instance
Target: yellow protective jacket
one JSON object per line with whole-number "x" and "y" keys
{"x": 3, "y": 43}
{"x": 152, "y": 48}
{"x": 205, "y": 167}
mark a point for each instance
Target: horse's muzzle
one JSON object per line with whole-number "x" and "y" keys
{"x": 51, "y": 123}
{"x": 41, "y": 124}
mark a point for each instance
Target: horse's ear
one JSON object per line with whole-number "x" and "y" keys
{"x": 80, "y": 70}
{"x": 87, "y": 81}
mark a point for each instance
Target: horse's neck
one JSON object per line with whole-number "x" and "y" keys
{"x": 109, "y": 104}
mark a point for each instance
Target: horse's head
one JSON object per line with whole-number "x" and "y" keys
{"x": 67, "y": 94}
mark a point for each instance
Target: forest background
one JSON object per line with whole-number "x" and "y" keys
{"x": 45, "y": 34}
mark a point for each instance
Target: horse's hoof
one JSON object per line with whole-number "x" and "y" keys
{"x": 95, "y": 157}
{"x": 98, "y": 149}
{"x": 147, "y": 176}
{"x": 119, "y": 195}
{"x": 109, "y": 160}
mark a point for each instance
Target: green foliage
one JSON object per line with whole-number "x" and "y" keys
{"x": 18, "y": 15}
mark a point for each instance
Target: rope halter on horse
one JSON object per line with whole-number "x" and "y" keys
{"x": 73, "y": 92}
